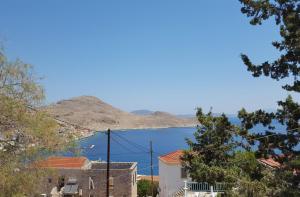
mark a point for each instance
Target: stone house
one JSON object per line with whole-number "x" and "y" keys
{"x": 79, "y": 177}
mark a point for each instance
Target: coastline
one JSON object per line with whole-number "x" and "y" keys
{"x": 135, "y": 129}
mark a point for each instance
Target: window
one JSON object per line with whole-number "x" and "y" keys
{"x": 49, "y": 180}
{"x": 183, "y": 173}
{"x": 91, "y": 184}
{"x": 133, "y": 179}
{"x": 111, "y": 182}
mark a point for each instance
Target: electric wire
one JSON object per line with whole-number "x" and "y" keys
{"x": 120, "y": 144}
{"x": 132, "y": 143}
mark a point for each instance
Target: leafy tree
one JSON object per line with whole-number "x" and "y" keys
{"x": 144, "y": 188}
{"x": 25, "y": 134}
{"x": 287, "y": 16}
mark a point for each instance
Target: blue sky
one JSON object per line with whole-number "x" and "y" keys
{"x": 170, "y": 55}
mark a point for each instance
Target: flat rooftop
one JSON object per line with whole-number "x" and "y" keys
{"x": 113, "y": 165}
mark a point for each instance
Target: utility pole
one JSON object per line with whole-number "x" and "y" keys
{"x": 151, "y": 155}
{"x": 108, "y": 163}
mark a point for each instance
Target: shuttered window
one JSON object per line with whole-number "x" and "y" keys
{"x": 183, "y": 173}
{"x": 91, "y": 184}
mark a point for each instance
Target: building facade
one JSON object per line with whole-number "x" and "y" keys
{"x": 171, "y": 174}
{"x": 174, "y": 181}
{"x": 79, "y": 177}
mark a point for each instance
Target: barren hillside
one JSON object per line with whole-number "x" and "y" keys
{"x": 92, "y": 113}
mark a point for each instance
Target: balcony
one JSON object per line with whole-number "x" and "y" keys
{"x": 203, "y": 189}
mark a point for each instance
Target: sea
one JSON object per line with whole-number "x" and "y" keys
{"x": 133, "y": 145}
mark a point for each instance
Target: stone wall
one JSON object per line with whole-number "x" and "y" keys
{"x": 124, "y": 181}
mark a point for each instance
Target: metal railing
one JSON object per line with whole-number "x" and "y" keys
{"x": 206, "y": 187}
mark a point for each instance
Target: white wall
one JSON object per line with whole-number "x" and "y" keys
{"x": 170, "y": 180}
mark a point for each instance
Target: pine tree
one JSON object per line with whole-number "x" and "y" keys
{"x": 213, "y": 157}
{"x": 284, "y": 146}
{"x": 211, "y": 150}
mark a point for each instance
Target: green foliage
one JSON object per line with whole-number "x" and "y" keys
{"x": 212, "y": 156}
{"x": 208, "y": 156}
{"x": 144, "y": 188}
{"x": 249, "y": 175}
{"x": 288, "y": 114}
{"x": 240, "y": 170}
{"x": 246, "y": 164}
{"x": 26, "y": 135}
{"x": 286, "y": 13}
{"x": 287, "y": 16}
{"x": 295, "y": 163}
{"x": 214, "y": 138}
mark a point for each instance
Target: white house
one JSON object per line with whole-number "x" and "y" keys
{"x": 171, "y": 174}
{"x": 175, "y": 182}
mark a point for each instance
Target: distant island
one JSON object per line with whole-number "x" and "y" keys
{"x": 143, "y": 112}
{"x": 146, "y": 112}
{"x": 95, "y": 115}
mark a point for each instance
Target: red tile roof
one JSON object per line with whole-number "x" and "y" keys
{"x": 172, "y": 158}
{"x": 270, "y": 162}
{"x": 63, "y": 162}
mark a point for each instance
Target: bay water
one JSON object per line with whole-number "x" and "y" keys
{"x": 134, "y": 145}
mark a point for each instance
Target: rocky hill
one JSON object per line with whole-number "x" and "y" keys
{"x": 92, "y": 113}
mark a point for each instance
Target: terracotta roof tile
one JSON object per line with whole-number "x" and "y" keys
{"x": 63, "y": 162}
{"x": 270, "y": 162}
{"x": 172, "y": 158}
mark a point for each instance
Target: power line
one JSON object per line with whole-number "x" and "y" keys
{"x": 270, "y": 135}
{"x": 132, "y": 143}
{"x": 128, "y": 149}
{"x": 151, "y": 165}
{"x": 138, "y": 145}
{"x": 108, "y": 163}
{"x": 131, "y": 153}
{"x": 123, "y": 174}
